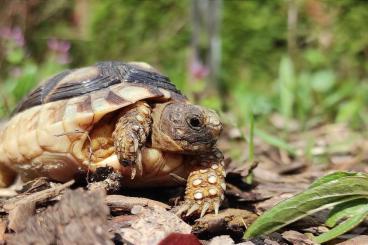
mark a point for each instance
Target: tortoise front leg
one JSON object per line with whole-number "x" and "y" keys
{"x": 130, "y": 135}
{"x": 206, "y": 185}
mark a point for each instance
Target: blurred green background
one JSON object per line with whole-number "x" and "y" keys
{"x": 304, "y": 60}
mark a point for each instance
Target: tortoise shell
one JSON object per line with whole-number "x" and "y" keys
{"x": 49, "y": 126}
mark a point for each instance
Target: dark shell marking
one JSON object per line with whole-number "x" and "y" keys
{"x": 114, "y": 99}
{"x": 60, "y": 87}
{"x": 85, "y": 105}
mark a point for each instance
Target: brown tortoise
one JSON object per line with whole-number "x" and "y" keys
{"x": 125, "y": 116}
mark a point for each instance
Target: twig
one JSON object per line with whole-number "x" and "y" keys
{"x": 126, "y": 203}
{"x": 36, "y": 197}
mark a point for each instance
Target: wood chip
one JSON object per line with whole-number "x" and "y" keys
{"x": 79, "y": 218}
{"x": 228, "y": 221}
{"x": 2, "y": 231}
{"x": 297, "y": 238}
{"x": 358, "y": 240}
{"x": 152, "y": 226}
{"x": 36, "y": 197}
{"x": 19, "y": 216}
{"x": 126, "y": 203}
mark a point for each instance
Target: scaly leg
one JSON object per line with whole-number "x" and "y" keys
{"x": 205, "y": 186}
{"x": 130, "y": 135}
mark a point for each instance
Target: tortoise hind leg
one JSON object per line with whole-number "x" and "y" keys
{"x": 7, "y": 176}
{"x": 130, "y": 135}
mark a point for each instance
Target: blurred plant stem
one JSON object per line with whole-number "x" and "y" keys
{"x": 249, "y": 178}
{"x": 292, "y": 27}
{"x": 205, "y": 58}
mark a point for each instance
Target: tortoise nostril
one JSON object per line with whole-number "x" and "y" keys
{"x": 194, "y": 122}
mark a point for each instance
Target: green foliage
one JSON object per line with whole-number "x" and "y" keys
{"x": 346, "y": 192}
{"x": 287, "y": 87}
{"x": 351, "y": 212}
{"x": 23, "y": 75}
{"x": 317, "y": 80}
{"x": 156, "y": 32}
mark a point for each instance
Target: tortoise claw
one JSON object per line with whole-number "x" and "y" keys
{"x": 182, "y": 209}
{"x": 192, "y": 209}
{"x": 216, "y": 207}
{"x": 133, "y": 173}
{"x": 138, "y": 163}
{"x": 204, "y": 209}
{"x": 137, "y": 168}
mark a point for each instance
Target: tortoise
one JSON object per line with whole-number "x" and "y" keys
{"x": 123, "y": 116}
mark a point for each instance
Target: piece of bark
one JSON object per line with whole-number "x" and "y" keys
{"x": 270, "y": 242}
{"x": 36, "y": 185}
{"x": 296, "y": 238}
{"x": 229, "y": 221}
{"x": 19, "y": 216}
{"x": 152, "y": 226}
{"x": 2, "y": 231}
{"x": 79, "y": 218}
{"x": 292, "y": 168}
{"x": 249, "y": 196}
{"x": 126, "y": 203}
{"x": 358, "y": 240}
{"x": 36, "y": 197}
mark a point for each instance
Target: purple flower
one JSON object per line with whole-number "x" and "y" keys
{"x": 198, "y": 69}
{"x": 12, "y": 34}
{"x": 60, "y": 48}
{"x": 18, "y": 36}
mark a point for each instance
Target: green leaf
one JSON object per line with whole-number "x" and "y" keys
{"x": 345, "y": 210}
{"x": 355, "y": 211}
{"x": 312, "y": 200}
{"x": 333, "y": 176}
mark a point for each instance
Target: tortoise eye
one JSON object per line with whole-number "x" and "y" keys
{"x": 194, "y": 122}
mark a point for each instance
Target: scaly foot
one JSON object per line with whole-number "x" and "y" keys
{"x": 130, "y": 135}
{"x": 205, "y": 191}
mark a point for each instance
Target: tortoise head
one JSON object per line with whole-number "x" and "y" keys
{"x": 185, "y": 128}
